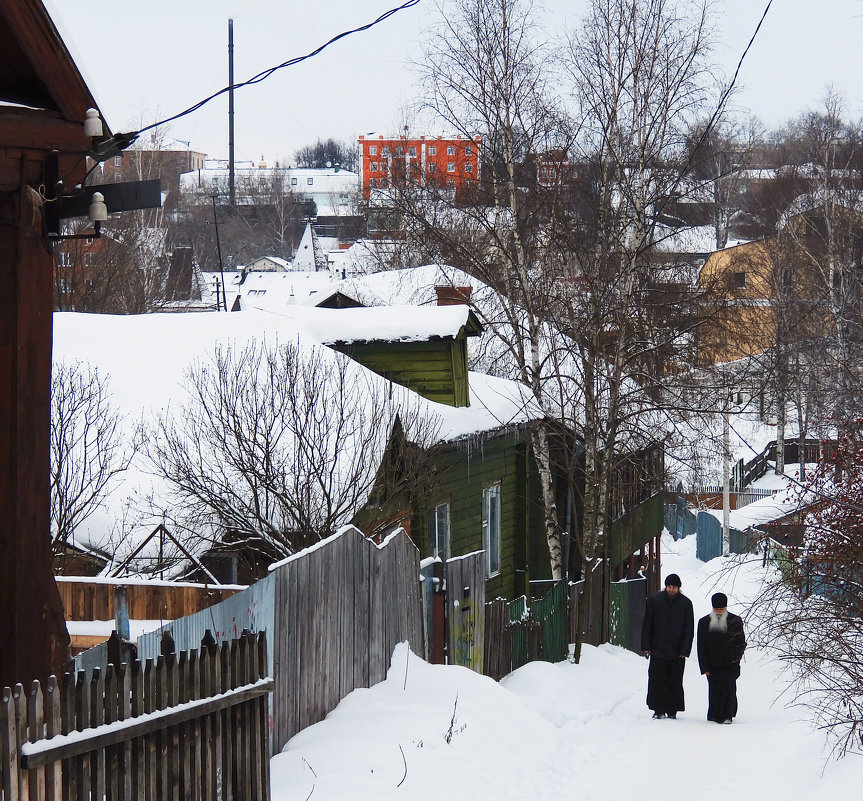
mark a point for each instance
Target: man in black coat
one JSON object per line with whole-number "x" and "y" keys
{"x": 666, "y": 638}
{"x": 721, "y": 644}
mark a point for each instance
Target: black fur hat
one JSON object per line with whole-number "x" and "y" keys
{"x": 719, "y": 600}
{"x": 673, "y": 579}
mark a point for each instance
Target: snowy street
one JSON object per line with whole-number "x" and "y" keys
{"x": 558, "y": 731}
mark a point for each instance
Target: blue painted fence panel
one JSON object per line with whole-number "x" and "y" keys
{"x": 708, "y": 543}
{"x": 251, "y": 609}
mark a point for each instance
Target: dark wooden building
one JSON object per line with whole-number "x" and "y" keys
{"x": 42, "y": 141}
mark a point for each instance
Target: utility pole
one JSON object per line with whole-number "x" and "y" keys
{"x": 232, "y": 196}
{"x": 726, "y": 476}
{"x": 219, "y": 251}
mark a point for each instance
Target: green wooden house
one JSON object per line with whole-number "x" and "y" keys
{"x": 483, "y": 490}
{"x": 430, "y": 359}
{"x": 486, "y": 496}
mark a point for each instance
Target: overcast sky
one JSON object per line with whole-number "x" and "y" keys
{"x": 148, "y": 60}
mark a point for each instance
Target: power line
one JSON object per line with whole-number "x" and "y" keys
{"x": 121, "y": 141}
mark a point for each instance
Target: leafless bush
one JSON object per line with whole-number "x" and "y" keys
{"x": 812, "y": 615}
{"x": 276, "y": 446}
{"x": 88, "y": 448}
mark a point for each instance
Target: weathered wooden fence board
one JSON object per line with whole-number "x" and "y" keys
{"x": 465, "y": 579}
{"x": 93, "y": 599}
{"x": 137, "y": 731}
{"x": 334, "y": 613}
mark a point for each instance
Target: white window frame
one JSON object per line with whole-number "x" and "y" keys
{"x": 450, "y": 167}
{"x": 491, "y": 511}
{"x": 373, "y": 150}
{"x": 439, "y": 530}
{"x": 432, "y": 150}
{"x": 450, "y": 150}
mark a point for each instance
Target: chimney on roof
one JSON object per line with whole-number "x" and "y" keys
{"x": 453, "y": 295}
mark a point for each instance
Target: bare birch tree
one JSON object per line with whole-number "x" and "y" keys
{"x": 566, "y": 247}
{"x": 640, "y": 79}
{"x": 486, "y": 72}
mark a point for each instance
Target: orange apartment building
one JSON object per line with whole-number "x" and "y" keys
{"x": 425, "y": 161}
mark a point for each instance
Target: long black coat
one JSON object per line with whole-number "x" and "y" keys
{"x": 669, "y": 625}
{"x": 718, "y": 650}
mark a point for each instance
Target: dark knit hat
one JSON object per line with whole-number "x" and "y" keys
{"x": 719, "y": 600}
{"x": 674, "y": 579}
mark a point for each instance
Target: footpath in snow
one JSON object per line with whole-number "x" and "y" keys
{"x": 569, "y": 731}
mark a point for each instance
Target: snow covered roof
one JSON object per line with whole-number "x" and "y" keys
{"x": 698, "y": 239}
{"x": 380, "y": 324}
{"x": 275, "y": 292}
{"x": 147, "y": 357}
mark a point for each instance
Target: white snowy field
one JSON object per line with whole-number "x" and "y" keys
{"x": 568, "y": 731}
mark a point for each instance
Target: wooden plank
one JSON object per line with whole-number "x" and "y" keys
{"x": 242, "y": 754}
{"x": 163, "y": 741}
{"x": 192, "y": 734}
{"x": 113, "y": 776}
{"x": 136, "y": 693}
{"x": 225, "y": 774}
{"x": 185, "y": 730}
{"x": 150, "y": 744}
{"x": 35, "y": 719}
{"x": 97, "y": 718}
{"x": 290, "y": 671}
{"x": 8, "y": 747}
{"x": 208, "y": 732}
{"x": 82, "y": 721}
{"x": 257, "y": 733}
{"x": 53, "y": 727}
{"x": 282, "y": 663}
{"x": 172, "y": 766}
{"x": 124, "y": 712}
{"x": 263, "y": 721}
{"x": 377, "y": 668}
{"x": 67, "y": 700}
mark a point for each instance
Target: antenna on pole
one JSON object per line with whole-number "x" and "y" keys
{"x": 232, "y": 197}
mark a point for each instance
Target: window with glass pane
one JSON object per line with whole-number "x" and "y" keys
{"x": 491, "y": 528}
{"x": 439, "y": 531}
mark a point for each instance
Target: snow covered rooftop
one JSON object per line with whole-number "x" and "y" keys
{"x": 146, "y": 359}
{"x": 378, "y": 324}
{"x": 275, "y": 292}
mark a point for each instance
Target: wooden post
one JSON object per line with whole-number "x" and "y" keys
{"x": 34, "y": 642}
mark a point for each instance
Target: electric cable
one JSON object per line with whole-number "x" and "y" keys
{"x": 123, "y": 140}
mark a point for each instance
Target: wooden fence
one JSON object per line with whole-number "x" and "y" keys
{"x": 187, "y": 727}
{"x": 522, "y": 631}
{"x": 333, "y": 615}
{"x": 93, "y": 599}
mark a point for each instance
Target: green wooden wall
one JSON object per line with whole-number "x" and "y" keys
{"x": 463, "y": 471}
{"x": 436, "y": 369}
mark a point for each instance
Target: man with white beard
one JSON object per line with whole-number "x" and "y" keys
{"x": 721, "y": 644}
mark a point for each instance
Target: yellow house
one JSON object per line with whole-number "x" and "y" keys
{"x": 739, "y": 288}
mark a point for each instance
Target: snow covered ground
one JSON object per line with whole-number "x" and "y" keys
{"x": 568, "y": 731}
